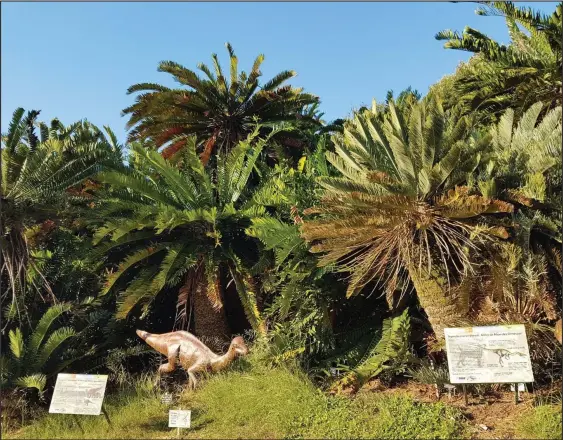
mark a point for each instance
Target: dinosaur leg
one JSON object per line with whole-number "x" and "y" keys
{"x": 191, "y": 374}
{"x": 172, "y": 358}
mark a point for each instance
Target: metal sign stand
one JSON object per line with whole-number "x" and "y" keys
{"x": 515, "y": 394}
{"x": 106, "y": 415}
{"x": 77, "y": 420}
{"x": 466, "y": 399}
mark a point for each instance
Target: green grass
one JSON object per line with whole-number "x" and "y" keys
{"x": 259, "y": 402}
{"x": 542, "y": 422}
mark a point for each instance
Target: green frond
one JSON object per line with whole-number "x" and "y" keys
{"x": 137, "y": 293}
{"x": 131, "y": 260}
{"x": 284, "y": 239}
{"x": 17, "y": 345}
{"x": 55, "y": 340}
{"x": 38, "y": 381}
{"x": 15, "y": 130}
{"x": 44, "y": 324}
{"x": 388, "y": 350}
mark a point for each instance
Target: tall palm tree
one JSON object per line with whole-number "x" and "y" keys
{"x": 517, "y": 75}
{"x": 184, "y": 229}
{"x": 218, "y": 110}
{"x": 397, "y": 211}
{"x": 35, "y": 179}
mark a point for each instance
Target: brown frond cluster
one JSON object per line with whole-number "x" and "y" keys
{"x": 219, "y": 109}
{"x": 517, "y": 289}
{"x": 214, "y": 289}
{"x": 191, "y": 283}
{"x": 382, "y": 238}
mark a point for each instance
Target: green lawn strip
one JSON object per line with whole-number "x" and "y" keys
{"x": 261, "y": 403}
{"x": 541, "y": 422}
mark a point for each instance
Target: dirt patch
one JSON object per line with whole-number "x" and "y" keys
{"x": 495, "y": 411}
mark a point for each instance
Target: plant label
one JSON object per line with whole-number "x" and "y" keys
{"x": 179, "y": 418}
{"x": 521, "y": 387}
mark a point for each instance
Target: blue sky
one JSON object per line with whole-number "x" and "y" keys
{"x": 76, "y": 60}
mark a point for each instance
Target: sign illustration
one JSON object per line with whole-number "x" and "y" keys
{"x": 78, "y": 394}
{"x": 495, "y": 354}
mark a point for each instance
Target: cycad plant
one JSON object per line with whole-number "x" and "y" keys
{"x": 517, "y": 75}
{"x": 184, "y": 229}
{"x": 399, "y": 210}
{"x": 220, "y": 108}
{"x": 36, "y": 176}
{"x": 523, "y": 276}
{"x": 523, "y": 167}
{"x": 33, "y": 359}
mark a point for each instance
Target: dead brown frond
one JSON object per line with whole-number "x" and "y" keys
{"x": 380, "y": 238}
{"x": 192, "y": 281}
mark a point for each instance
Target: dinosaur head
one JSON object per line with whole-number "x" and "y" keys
{"x": 239, "y": 346}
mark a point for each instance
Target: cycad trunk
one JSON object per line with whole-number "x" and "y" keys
{"x": 441, "y": 305}
{"x": 210, "y": 323}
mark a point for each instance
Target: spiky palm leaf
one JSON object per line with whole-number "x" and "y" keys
{"x": 219, "y": 110}
{"x": 29, "y": 357}
{"x": 388, "y": 351}
{"x": 518, "y": 75}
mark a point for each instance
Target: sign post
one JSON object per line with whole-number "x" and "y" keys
{"x": 494, "y": 354}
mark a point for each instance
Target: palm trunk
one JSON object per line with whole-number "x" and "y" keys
{"x": 210, "y": 321}
{"x": 439, "y": 302}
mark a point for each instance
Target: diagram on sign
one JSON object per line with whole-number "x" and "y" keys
{"x": 476, "y": 354}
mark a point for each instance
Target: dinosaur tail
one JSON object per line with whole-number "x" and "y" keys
{"x": 143, "y": 334}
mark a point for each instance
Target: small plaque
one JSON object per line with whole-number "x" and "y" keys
{"x": 166, "y": 398}
{"x": 78, "y": 394}
{"x": 179, "y": 418}
{"x": 521, "y": 387}
{"x": 495, "y": 354}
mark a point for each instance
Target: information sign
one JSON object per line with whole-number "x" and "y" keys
{"x": 495, "y": 354}
{"x": 78, "y": 394}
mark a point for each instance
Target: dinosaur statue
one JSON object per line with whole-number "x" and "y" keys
{"x": 193, "y": 355}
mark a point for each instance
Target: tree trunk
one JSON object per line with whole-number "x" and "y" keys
{"x": 439, "y": 302}
{"x": 210, "y": 323}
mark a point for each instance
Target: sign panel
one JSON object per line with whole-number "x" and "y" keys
{"x": 179, "y": 418}
{"x": 78, "y": 394}
{"x": 495, "y": 354}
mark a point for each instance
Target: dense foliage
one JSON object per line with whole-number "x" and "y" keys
{"x": 346, "y": 248}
